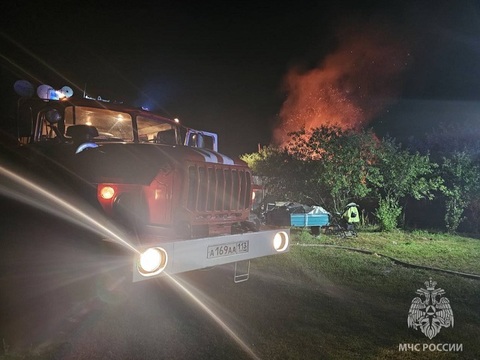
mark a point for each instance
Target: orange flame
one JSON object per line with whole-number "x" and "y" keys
{"x": 348, "y": 88}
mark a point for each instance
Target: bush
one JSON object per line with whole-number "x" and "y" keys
{"x": 387, "y": 214}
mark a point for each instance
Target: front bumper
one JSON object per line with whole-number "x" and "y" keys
{"x": 195, "y": 254}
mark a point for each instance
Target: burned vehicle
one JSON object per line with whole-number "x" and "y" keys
{"x": 185, "y": 205}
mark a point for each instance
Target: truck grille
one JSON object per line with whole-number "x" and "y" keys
{"x": 218, "y": 189}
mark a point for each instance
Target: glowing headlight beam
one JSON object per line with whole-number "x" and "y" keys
{"x": 152, "y": 262}
{"x": 72, "y": 210}
{"x": 280, "y": 241}
{"x": 216, "y": 318}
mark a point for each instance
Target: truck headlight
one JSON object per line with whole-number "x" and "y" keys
{"x": 107, "y": 192}
{"x": 280, "y": 241}
{"x": 152, "y": 261}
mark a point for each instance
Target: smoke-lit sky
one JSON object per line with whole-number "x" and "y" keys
{"x": 252, "y": 71}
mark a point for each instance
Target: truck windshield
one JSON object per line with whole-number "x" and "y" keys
{"x": 110, "y": 124}
{"x": 116, "y": 125}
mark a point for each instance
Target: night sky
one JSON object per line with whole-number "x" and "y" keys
{"x": 224, "y": 66}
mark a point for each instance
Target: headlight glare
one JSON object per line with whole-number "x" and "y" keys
{"x": 280, "y": 241}
{"x": 152, "y": 261}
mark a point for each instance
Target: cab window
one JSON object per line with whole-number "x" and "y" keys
{"x": 111, "y": 125}
{"x": 155, "y": 130}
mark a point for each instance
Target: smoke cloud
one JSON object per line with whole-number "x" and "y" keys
{"x": 349, "y": 87}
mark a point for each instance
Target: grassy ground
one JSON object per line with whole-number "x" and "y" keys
{"x": 314, "y": 302}
{"x": 375, "y": 294}
{"x": 452, "y": 252}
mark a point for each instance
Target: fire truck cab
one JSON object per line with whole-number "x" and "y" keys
{"x": 187, "y": 204}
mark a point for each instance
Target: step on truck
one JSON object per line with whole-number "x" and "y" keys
{"x": 186, "y": 205}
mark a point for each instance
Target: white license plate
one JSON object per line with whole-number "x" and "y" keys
{"x": 235, "y": 248}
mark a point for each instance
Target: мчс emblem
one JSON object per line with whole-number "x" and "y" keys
{"x": 430, "y": 315}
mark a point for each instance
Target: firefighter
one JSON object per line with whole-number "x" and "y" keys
{"x": 351, "y": 215}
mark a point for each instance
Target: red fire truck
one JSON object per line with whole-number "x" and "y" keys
{"x": 187, "y": 204}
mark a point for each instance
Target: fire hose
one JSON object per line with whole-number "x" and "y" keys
{"x": 396, "y": 261}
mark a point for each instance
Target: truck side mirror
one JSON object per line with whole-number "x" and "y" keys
{"x": 53, "y": 116}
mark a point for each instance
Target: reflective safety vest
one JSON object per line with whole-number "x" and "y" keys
{"x": 352, "y": 215}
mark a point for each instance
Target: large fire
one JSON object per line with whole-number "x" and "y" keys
{"x": 348, "y": 88}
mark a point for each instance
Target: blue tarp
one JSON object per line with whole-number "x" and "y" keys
{"x": 318, "y": 216}
{"x": 295, "y": 214}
